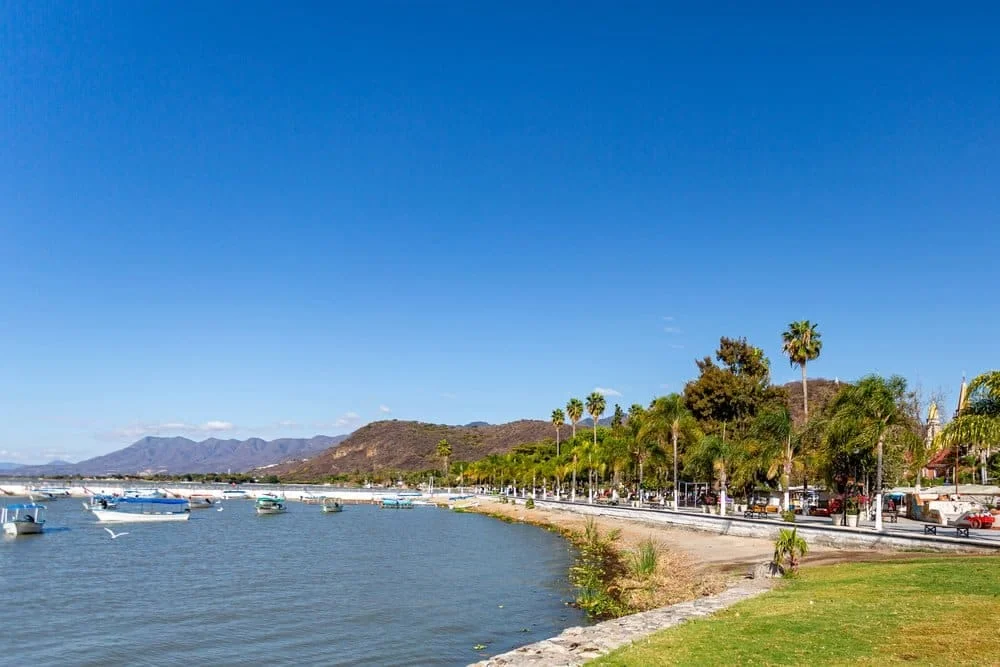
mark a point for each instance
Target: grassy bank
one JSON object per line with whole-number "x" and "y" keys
{"x": 617, "y": 574}
{"x": 934, "y": 611}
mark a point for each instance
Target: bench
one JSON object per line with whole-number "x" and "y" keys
{"x": 931, "y": 529}
{"x": 892, "y": 516}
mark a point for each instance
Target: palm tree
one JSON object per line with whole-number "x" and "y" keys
{"x": 668, "y": 415}
{"x": 868, "y": 414}
{"x": 595, "y": 407}
{"x": 776, "y": 433}
{"x": 722, "y": 456}
{"x": 635, "y": 415}
{"x": 789, "y": 545}
{"x": 444, "y": 452}
{"x": 978, "y": 421}
{"x": 558, "y": 419}
{"x": 801, "y": 344}
{"x": 574, "y": 410}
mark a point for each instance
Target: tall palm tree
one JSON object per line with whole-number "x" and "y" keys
{"x": 558, "y": 419}
{"x": 444, "y": 452}
{"x": 574, "y": 410}
{"x": 595, "y": 407}
{"x": 668, "y": 416}
{"x": 871, "y": 413}
{"x": 801, "y": 344}
{"x": 775, "y": 432}
{"x": 635, "y": 416}
{"x": 978, "y": 420}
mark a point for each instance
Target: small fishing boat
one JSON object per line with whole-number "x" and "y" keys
{"x": 234, "y": 494}
{"x": 145, "y": 510}
{"x": 144, "y": 493}
{"x": 22, "y": 519}
{"x": 201, "y": 501}
{"x": 49, "y": 493}
{"x": 270, "y": 505}
{"x": 331, "y": 505}
{"x": 397, "y": 503}
{"x": 99, "y": 501}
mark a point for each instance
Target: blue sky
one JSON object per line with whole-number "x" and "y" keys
{"x": 240, "y": 219}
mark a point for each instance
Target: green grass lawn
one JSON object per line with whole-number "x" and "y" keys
{"x": 931, "y": 611}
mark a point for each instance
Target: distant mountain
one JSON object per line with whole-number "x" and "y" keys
{"x": 177, "y": 456}
{"x": 589, "y": 422}
{"x": 59, "y": 462}
{"x": 6, "y": 465}
{"x": 476, "y": 424}
{"x": 407, "y": 445}
{"x": 821, "y": 392}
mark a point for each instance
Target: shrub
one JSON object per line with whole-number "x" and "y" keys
{"x": 595, "y": 569}
{"x": 788, "y": 515}
{"x": 645, "y": 559}
{"x": 529, "y": 504}
{"x": 789, "y": 546}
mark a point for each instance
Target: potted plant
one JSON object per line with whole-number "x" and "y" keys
{"x": 853, "y": 509}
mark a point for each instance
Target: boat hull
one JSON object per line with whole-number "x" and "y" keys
{"x": 270, "y": 510}
{"x": 23, "y": 527}
{"x": 332, "y": 510}
{"x": 114, "y": 516}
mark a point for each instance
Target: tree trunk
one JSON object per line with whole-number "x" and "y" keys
{"x": 878, "y": 486}
{"x": 673, "y": 435}
{"x": 572, "y": 492}
{"x": 574, "y": 429}
{"x": 723, "y": 478}
{"x": 786, "y": 480}
{"x": 557, "y": 441}
{"x": 805, "y": 392}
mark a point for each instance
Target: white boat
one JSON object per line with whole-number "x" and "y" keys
{"x": 234, "y": 494}
{"x": 145, "y": 510}
{"x": 100, "y": 501}
{"x": 200, "y": 501}
{"x": 22, "y": 519}
{"x": 270, "y": 505}
{"x": 332, "y": 505}
{"x": 144, "y": 493}
{"x": 49, "y": 493}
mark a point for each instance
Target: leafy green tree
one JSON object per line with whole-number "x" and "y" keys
{"x": 618, "y": 418}
{"x": 574, "y": 410}
{"x": 801, "y": 344}
{"x": 978, "y": 421}
{"x": 558, "y": 419}
{"x": 444, "y": 453}
{"x": 669, "y": 417}
{"x": 595, "y": 407}
{"x": 733, "y": 391}
{"x": 868, "y": 415}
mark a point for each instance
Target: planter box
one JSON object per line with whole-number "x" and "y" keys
{"x": 852, "y": 520}
{"x": 837, "y": 519}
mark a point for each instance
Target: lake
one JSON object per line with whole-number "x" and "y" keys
{"x": 367, "y": 586}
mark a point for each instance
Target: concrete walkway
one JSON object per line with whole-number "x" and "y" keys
{"x": 577, "y": 645}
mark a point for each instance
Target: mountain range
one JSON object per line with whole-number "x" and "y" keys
{"x": 177, "y": 456}
{"x": 410, "y": 445}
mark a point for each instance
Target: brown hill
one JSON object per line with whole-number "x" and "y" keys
{"x": 821, "y": 392}
{"x": 406, "y": 445}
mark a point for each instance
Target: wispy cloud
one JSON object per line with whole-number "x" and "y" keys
{"x": 668, "y": 318}
{"x": 7, "y": 454}
{"x": 605, "y": 391}
{"x": 347, "y": 419}
{"x": 170, "y": 428}
{"x": 665, "y": 385}
{"x": 288, "y": 423}
{"x": 448, "y": 395}
{"x": 677, "y": 346}
{"x": 384, "y": 409}
{"x": 672, "y": 330}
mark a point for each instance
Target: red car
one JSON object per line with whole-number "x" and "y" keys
{"x": 975, "y": 519}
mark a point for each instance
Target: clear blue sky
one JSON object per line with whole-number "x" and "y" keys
{"x": 276, "y": 219}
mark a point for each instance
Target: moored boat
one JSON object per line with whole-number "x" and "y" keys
{"x": 331, "y": 505}
{"x": 100, "y": 501}
{"x": 396, "y": 503}
{"x": 145, "y": 510}
{"x": 234, "y": 494}
{"x": 201, "y": 501}
{"x": 22, "y": 519}
{"x": 270, "y": 505}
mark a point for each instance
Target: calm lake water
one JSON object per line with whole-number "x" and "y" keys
{"x": 366, "y": 586}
